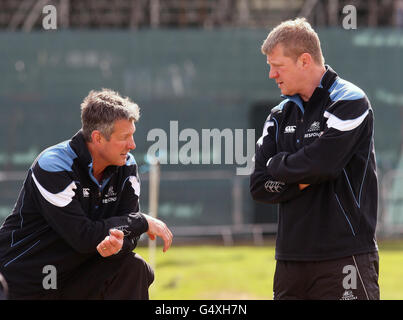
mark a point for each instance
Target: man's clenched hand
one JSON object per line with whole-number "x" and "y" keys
{"x": 112, "y": 244}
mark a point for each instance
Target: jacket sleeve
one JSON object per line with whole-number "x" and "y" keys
{"x": 264, "y": 187}
{"x": 57, "y": 200}
{"x": 129, "y": 204}
{"x": 349, "y": 125}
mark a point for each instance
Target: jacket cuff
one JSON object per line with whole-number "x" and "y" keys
{"x": 137, "y": 225}
{"x": 274, "y": 163}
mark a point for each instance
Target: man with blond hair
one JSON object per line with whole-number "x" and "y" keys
{"x": 77, "y": 220}
{"x": 316, "y": 159}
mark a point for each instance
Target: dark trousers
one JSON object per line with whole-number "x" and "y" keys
{"x": 349, "y": 278}
{"x": 126, "y": 278}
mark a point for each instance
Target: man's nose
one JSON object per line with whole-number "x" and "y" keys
{"x": 273, "y": 74}
{"x": 132, "y": 144}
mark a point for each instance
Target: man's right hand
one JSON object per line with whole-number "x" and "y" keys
{"x": 112, "y": 244}
{"x": 158, "y": 228}
{"x": 303, "y": 186}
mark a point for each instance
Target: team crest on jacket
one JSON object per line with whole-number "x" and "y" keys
{"x": 313, "y": 130}
{"x": 315, "y": 126}
{"x": 348, "y": 295}
{"x": 110, "y": 196}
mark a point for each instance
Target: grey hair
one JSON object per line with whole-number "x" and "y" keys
{"x": 100, "y": 110}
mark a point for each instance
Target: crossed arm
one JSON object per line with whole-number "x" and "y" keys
{"x": 263, "y": 186}
{"x": 322, "y": 160}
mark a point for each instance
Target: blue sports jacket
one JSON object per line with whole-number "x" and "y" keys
{"x": 327, "y": 142}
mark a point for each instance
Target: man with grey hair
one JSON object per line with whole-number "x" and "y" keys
{"x": 317, "y": 149}
{"x": 77, "y": 220}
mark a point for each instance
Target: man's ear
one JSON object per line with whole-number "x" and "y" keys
{"x": 305, "y": 60}
{"x": 96, "y": 136}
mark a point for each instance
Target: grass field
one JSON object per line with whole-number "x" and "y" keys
{"x": 244, "y": 272}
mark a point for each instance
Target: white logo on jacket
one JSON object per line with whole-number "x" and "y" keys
{"x": 86, "y": 192}
{"x": 315, "y": 126}
{"x": 110, "y": 196}
{"x": 274, "y": 186}
{"x": 290, "y": 129}
{"x": 348, "y": 295}
{"x": 313, "y": 130}
{"x": 110, "y": 193}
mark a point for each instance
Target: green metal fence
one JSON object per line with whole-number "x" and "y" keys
{"x": 201, "y": 79}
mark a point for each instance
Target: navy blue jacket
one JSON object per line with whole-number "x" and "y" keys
{"x": 63, "y": 213}
{"x": 327, "y": 142}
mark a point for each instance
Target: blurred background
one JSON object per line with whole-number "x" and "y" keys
{"x": 197, "y": 62}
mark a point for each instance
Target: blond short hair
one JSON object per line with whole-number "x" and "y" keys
{"x": 100, "y": 110}
{"x": 297, "y": 37}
